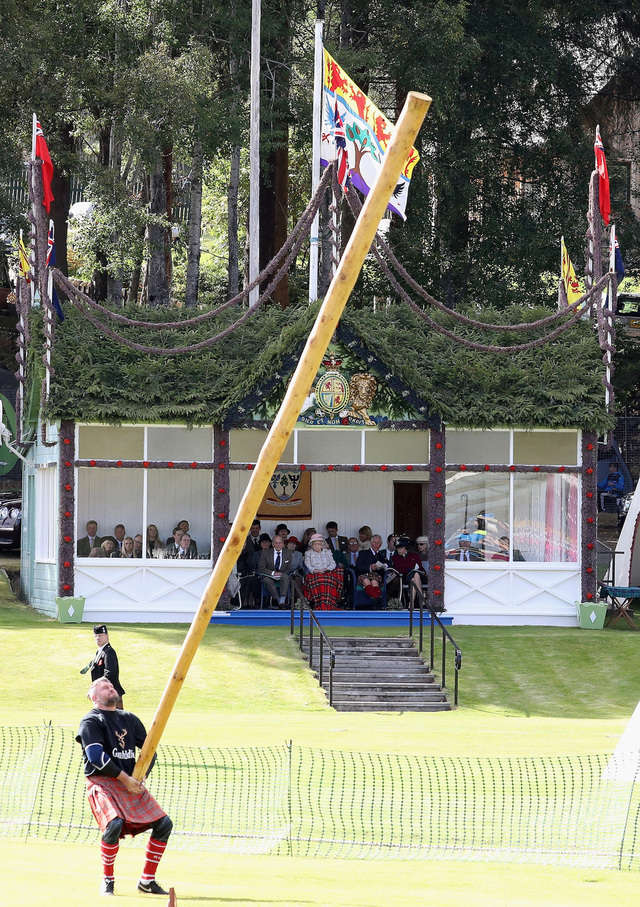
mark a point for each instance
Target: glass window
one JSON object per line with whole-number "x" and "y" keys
{"x": 110, "y": 442}
{"x": 545, "y": 518}
{"x": 46, "y": 515}
{"x": 396, "y": 447}
{"x": 329, "y": 446}
{"x": 176, "y": 442}
{"x": 110, "y": 497}
{"x": 245, "y": 446}
{"x": 477, "y": 516}
{"x": 477, "y": 446}
{"x": 545, "y": 448}
{"x": 181, "y": 494}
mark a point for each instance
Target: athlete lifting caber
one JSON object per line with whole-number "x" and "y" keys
{"x": 120, "y": 803}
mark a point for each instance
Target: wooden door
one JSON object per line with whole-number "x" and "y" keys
{"x": 410, "y": 508}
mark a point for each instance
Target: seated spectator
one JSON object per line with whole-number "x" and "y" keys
{"x": 334, "y": 541}
{"x": 173, "y": 542}
{"x": 422, "y": 544}
{"x": 97, "y": 552}
{"x": 297, "y": 566}
{"x": 274, "y": 566}
{"x": 612, "y": 484}
{"x": 127, "y": 547}
{"x": 119, "y": 533}
{"x": 353, "y": 550}
{"x": 265, "y": 541}
{"x": 372, "y": 560}
{"x": 109, "y": 547}
{"x": 248, "y": 560}
{"x": 184, "y": 525}
{"x": 283, "y": 530}
{"x": 503, "y": 553}
{"x": 90, "y": 541}
{"x": 464, "y": 551}
{"x": 364, "y": 537}
{"x": 389, "y": 551}
{"x": 324, "y": 579}
{"x": 137, "y": 545}
{"x": 185, "y": 551}
{"x": 371, "y": 584}
{"x": 479, "y": 535}
{"x": 155, "y": 548}
{"x": 406, "y": 563}
{"x": 306, "y": 535}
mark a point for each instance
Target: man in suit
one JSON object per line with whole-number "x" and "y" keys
{"x": 185, "y": 549}
{"x": 90, "y": 540}
{"x": 352, "y": 552}
{"x": 173, "y": 543}
{"x": 275, "y": 566}
{"x": 372, "y": 558}
{"x": 334, "y": 541}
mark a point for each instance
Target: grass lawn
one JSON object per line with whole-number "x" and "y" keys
{"x": 522, "y": 691}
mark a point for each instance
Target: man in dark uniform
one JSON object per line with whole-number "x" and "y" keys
{"x": 121, "y": 804}
{"x": 105, "y": 662}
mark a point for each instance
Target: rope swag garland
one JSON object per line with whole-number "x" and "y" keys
{"x": 291, "y": 246}
{"x": 587, "y": 301}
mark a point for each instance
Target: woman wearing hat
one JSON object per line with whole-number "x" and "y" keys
{"x": 324, "y": 579}
{"x": 407, "y": 564}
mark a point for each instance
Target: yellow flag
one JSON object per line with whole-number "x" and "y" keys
{"x": 569, "y": 278}
{"x": 24, "y": 260}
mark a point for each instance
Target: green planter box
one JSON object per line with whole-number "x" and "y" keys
{"x": 70, "y": 609}
{"x": 591, "y": 615}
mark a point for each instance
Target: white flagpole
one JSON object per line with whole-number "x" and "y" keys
{"x": 32, "y": 244}
{"x": 314, "y": 249}
{"x": 254, "y": 153}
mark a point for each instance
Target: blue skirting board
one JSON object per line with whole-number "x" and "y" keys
{"x": 268, "y": 618}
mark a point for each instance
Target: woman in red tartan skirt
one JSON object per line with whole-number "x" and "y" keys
{"x": 120, "y": 803}
{"x": 324, "y": 579}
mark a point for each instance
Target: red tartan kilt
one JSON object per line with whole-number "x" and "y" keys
{"x": 324, "y": 589}
{"x": 109, "y": 800}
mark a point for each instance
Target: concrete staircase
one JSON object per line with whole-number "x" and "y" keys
{"x": 378, "y": 675}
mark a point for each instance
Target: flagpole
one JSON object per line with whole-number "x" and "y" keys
{"x": 314, "y": 249}
{"x": 254, "y": 153}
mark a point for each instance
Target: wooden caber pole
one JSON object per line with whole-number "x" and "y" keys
{"x": 413, "y": 113}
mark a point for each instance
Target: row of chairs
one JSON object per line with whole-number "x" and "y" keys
{"x": 353, "y": 595}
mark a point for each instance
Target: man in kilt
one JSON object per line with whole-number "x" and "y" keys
{"x": 120, "y": 803}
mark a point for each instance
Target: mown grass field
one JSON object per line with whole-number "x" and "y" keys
{"x": 522, "y": 691}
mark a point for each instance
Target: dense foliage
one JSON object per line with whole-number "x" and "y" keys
{"x": 96, "y": 379}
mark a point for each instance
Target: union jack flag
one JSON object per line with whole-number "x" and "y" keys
{"x": 341, "y": 149}
{"x": 51, "y": 250}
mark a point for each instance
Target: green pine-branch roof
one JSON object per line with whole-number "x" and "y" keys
{"x": 96, "y": 379}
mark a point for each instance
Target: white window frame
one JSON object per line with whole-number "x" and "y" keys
{"x": 46, "y": 513}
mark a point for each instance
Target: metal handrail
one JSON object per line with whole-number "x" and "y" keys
{"x": 324, "y": 640}
{"x": 457, "y": 662}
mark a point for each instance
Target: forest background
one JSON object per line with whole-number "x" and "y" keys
{"x": 145, "y": 107}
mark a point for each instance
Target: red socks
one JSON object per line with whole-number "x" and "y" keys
{"x": 108, "y": 853}
{"x": 155, "y": 849}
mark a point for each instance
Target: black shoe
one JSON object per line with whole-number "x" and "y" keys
{"x": 151, "y": 887}
{"x": 107, "y": 886}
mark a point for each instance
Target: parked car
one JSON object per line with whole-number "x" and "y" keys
{"x": 10, "y": 521}
{"x": 628, "y": 314}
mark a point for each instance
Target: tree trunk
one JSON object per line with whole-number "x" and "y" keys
{"x": 233, "y": 280}
{"x": 195, "y": 225}
{"x": 274, "y": 203}
{"x": 157, "y": 284}
{"x": 61, "y": 188}
{"x": 167, "y": 174}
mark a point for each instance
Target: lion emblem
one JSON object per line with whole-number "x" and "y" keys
{"x": 362, "y": 390}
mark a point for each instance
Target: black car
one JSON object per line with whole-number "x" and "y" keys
{"x": 10, "y": 521}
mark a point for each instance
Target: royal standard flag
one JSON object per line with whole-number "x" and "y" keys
{"x": 23, "y": 259}
{"x": 569, "y": 279}
{"x": 367, "y": 132}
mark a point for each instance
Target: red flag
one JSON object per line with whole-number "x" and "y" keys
{"x": 603, "y": 178}
{"x": 42, "y": 152}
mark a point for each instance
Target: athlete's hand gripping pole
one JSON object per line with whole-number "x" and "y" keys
{"x": 413, "y": 113}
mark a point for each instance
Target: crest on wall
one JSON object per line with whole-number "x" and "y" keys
{"x": 340, "y": 398}
{"x": 288, "y": 495}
